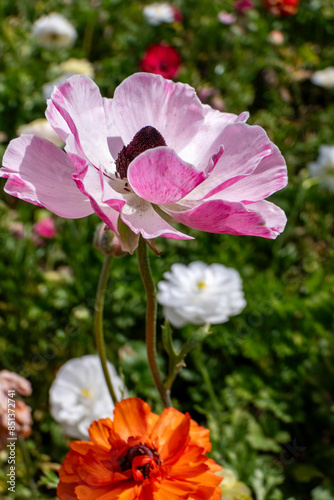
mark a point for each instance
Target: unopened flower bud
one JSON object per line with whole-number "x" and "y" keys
{"x": 106, "y": 241}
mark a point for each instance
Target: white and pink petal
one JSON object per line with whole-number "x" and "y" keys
{"x": 115, "y": 142}
{"x": 90, "y": 183}
{"x": 56, "y": 121}
{"x": 22, "y": 189}
{"x": 80, "y": 104}
{"x": 223, "y": 217}
{"x": 244, "y": 147}
{"x": 40, "y": 172}
{"x": 274, "y": 216}
{"x": 146, "y": 99}
{"x": 160, "y": 176}
{"x": 203, "y": 145}
{"x": 269, "y": 176}
{"x": 141, "y": 217}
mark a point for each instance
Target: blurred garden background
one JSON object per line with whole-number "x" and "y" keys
{"x": 263, "y": 381}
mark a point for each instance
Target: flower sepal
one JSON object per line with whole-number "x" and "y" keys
{"x": 153, "y": 247}
{"x": 127, "y": 238}
{"x": 176, "y": 359}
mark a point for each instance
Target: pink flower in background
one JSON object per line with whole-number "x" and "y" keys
{"x": 243, "y": 6}
{"x": 276, "y": 37}
{"x": 153, "y": 152}
{"x": 45, "y": 228}
{"x": 226, "y": 17}
{"x": 10, "y": 381}
{"x": 178, "y": 16}
{"x": 161, "y": 60}
{"x": 212, "y": 96}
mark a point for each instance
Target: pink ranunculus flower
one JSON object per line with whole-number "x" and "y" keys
{"x": 152, "y": 155}
{"x": 46, "y": 228}
{"x": 226, "y": 17}
{"x": 243, "y": 6}
{"x": 10, "y": 381}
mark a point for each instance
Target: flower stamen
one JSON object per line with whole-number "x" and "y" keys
{"x": 85, "y": 393}
{"x": 201, "y": 285}
{"x": 141, "y": 460}
{"x": 147, "y": 138}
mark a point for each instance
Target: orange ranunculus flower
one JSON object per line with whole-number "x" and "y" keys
{"x": 141, "y": 455}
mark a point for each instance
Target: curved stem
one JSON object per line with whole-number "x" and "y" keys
{"x": 98, "y": 322}
{"x": 151, "y": 318}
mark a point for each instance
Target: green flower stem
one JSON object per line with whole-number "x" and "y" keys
{"x": 207, "y": 380}
{"x": 29, "y": 468}
{"x": 88, "y": 34}
{"x": 98, "y": 322}
{"x": 172, "y": 376}
{"x": 151, "y": 319}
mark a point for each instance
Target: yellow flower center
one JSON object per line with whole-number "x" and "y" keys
{"x": 85, "y": 393}
{"x": 201, "y": 285}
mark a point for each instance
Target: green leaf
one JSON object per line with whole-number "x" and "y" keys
{"x": 50, "y": 479}
{"x": 305, "y": 473}
{"x": 194, "y": 340}
{"x": 167, "y": 340}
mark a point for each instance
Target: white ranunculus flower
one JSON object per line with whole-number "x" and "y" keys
{"x": 75, "y": 66}
{"x": 323, "y": 167}
{"x": 42, "y": 128}
{"x": 54, "y": 31}
{"x": 158, "y": 13}
{"x": 71, "y": 67}
{"x": 79, "y": 395}
{"x": 200, "y": 293}
{"x": 324, "y": 78}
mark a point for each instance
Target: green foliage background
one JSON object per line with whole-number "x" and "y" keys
{"x": 263, "y": 382}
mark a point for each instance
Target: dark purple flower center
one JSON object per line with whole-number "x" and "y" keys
{"x": 147, "y": 138}
{"x": 140, "y": 450}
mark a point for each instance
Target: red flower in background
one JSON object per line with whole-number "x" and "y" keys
{"x": 281, "y": 7}
{"x": 161, "y": 60}
{"x": 141, "y": 456}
